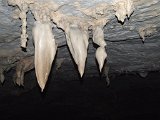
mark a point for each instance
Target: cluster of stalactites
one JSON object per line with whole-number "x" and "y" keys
{"x": 76, "y": 30}
{"x": 77, "y": 38}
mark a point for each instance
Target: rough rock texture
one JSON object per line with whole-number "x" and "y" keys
{"x": 125, "y": 49}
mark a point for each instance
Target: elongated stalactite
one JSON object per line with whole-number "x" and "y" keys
{"x": 98, "y": 38}
{"x": 23, "y": 6}
{"x": 45, "y": 50}
{"x": 77, "y": 40}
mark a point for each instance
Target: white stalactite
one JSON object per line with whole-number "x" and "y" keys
{"x": 77, "y": 37}
{"x": 123, "y": 8}
{"x": 77, "y": 40}
{"x": 45, "y": 50}
{"x": 98, "y": 38}
{"x": 23, "y": 6}
{"x": 101, "y": 56}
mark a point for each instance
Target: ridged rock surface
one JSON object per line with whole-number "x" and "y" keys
{"x": 125, "y": 49}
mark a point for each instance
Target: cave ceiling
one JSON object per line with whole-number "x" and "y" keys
{"x": 133, "y": 45}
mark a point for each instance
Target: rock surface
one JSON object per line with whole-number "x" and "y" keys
{"x": 125, "y": 49}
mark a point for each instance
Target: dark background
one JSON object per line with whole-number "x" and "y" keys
{"x": 129, "y": 97}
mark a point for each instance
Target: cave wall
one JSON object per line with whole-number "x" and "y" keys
{"x": 131, "y": 46}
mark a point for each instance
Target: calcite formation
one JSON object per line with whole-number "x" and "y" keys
{"x": 123, "y": 8}
{"x": 24, "y": 65}
{"x": 48, "y": 13}
{"x": 23, "y": 9}
{"x": 146, "y": 31}
{"x": 45, "y": 50}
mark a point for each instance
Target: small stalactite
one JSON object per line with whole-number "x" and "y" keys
{"x": 23, "y": 65}
{"x": 23, "y": 18}
{"x": 123, "y": 8}
{"x": 146, "y": 31}
{"x": 101, "y": 55}
{"x": 23, "y": 6}
{"x": 98, "y": 38}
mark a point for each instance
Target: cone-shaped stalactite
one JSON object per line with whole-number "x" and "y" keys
{"x": 77, "y": 40}
{"x": 101, "y": 56}
{"x": 45, "y": 50}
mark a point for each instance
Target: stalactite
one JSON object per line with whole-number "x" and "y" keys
{"x": 146, "y": 31}
{"x": 123, "y": 8}
{"x": 77, "y": 40}
{"x": 23, "y": 6}
{"x": 77, "y": 37}
{"x": 24, "y": 36}
{"x": 45, "y": 50}
{"x": 24, "y": 65}
{"x": 101, "y": 56}
{"x": 98, "y": 38}
{"x": 45, "y": 46}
